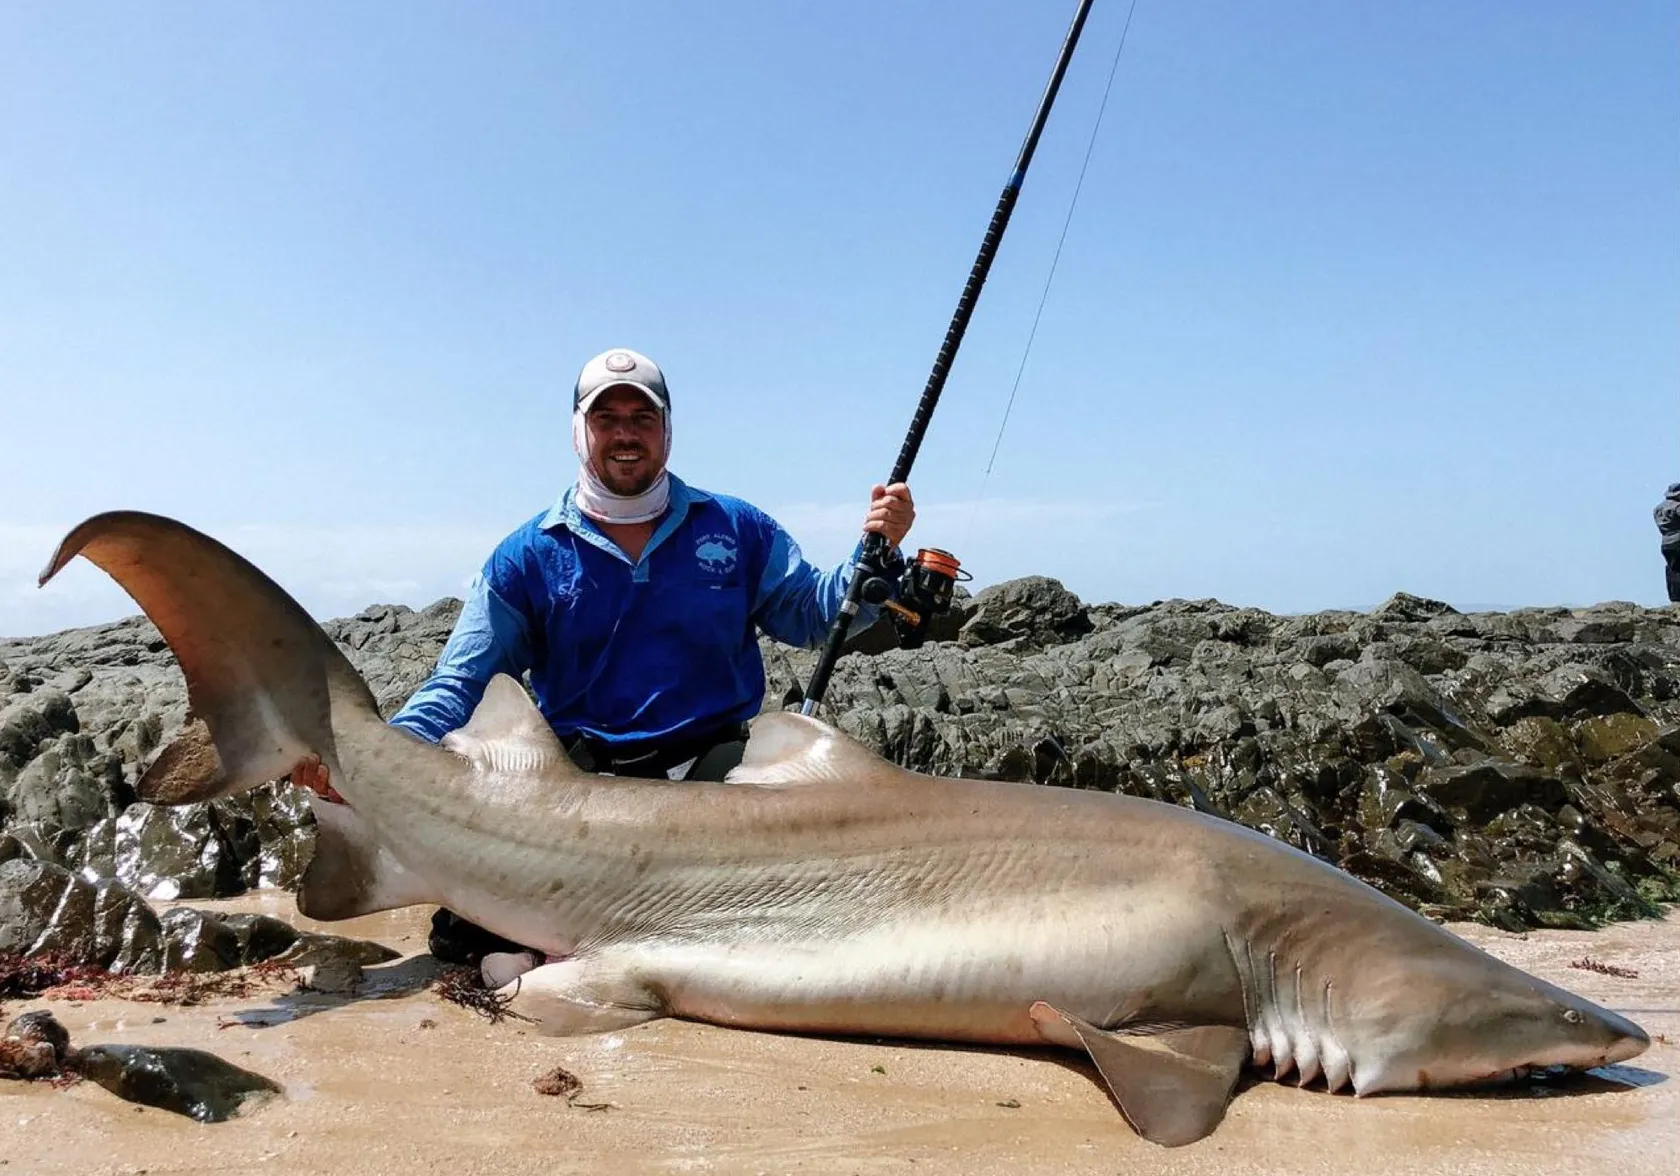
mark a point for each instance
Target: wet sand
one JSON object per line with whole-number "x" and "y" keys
{"x": 399, "y": 1081}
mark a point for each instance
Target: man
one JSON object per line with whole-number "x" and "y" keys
{"x": 1668, "y": 523}
{"x": 635, "y": 604}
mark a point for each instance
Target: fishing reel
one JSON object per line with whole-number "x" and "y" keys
{"x": 924, "y": 591}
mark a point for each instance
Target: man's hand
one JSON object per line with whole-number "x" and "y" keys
{"x": 891, "y": 511}
{"x": 309, "y": 772}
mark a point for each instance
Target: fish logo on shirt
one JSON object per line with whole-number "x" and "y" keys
{"x": 716, "y": 553}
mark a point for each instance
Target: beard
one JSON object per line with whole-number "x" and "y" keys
{"x": 631, "y": 479}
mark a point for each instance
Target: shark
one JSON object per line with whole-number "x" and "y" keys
{"x": 823, "y": 889}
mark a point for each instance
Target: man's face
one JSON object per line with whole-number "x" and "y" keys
{"x": 626, "y": 440}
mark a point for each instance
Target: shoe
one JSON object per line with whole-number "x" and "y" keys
{"x": 504, "y": 967}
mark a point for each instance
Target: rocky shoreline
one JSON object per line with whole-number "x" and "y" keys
{"x": 1521, "y": 769}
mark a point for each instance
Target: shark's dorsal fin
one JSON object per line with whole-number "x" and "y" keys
{"x": 1173, "y": 1087}
{"x": 508, "y": 733}
{"x": 785, "y": 749}
{"x": 351, "y": 874}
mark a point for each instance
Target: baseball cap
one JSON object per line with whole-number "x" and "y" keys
{"x": 620, "y": 367}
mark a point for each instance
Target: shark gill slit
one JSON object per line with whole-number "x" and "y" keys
{"x": 1306, "y": 1046}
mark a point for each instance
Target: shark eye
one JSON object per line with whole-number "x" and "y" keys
{"x": 1573, "y": 1016}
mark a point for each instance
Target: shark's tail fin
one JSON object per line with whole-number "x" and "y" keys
{"x": 265, "y": 684}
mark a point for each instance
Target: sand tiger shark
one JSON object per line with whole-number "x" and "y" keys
{"x": 823, "y": 889}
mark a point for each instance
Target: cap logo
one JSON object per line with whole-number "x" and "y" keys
{"x": 620, "y": 363}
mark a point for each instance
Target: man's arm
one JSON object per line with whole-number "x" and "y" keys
{"x": 490, "y": 637}
{"x": 797, "y": 602}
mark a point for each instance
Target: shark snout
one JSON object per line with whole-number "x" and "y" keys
{"x": 1626, "y": 1040}
{"x": 1583, "y": 1035}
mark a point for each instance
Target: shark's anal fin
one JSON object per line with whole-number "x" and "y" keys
{"x": 1173, "y": 1087}
{"x": 351, "y": 874}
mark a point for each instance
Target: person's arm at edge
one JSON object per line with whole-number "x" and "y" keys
{"x": 490, "y": 637}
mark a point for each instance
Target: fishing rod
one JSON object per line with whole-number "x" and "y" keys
{"x": 928, "y": 583}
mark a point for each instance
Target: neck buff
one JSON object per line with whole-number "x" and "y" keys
{"x": 598, "y": 503}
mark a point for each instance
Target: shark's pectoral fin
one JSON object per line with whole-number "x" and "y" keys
{"x": 1173, "y": 1086}
{"x": 351, "y": 874}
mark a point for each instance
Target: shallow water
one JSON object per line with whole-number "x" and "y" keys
{"x": 399, "y": 1081}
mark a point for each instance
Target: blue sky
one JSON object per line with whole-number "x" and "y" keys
{"x": 1358, "y": 297}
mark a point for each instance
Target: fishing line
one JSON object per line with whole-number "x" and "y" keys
{"x": 1073, "y": 203}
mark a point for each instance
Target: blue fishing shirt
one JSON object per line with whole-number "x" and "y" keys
{"x": 633, "y": 653}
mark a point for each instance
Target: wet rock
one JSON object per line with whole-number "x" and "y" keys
{"x": 332, "y": 963}
{"x": 259, "y": 937}
{"x": 164, "y": 853}
{"x": 189, "y": 1082}
{"x": 1483, "y": 791}
{"x": 1606, "y": 737}
{"x": 34, "y": 1045}
{"x": 271, "y": 834}
{"x": 1545, "y": 743}
{"x": 45, "y": 908}
{"x": 195, "y": 941}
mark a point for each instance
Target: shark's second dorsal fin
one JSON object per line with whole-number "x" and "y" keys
{"x": 508, "y": 733}
{"x": 785, "y": 749}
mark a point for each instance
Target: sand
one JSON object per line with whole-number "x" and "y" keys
{"x": 397, "y": 1080}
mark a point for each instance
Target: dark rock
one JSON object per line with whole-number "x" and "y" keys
{"x": 1569, "y": 691}
{"x": 1483, "y": 791}
{"x": 1036, "y": 608}
{"x": 26, "y": 724}
{"x": 259, "y": 937}
{"x": 195, "y": 941}
{"x": 45, "y": 908}
{"x": 164, "y": 853}
{"x": 332, "y": 963}
{"x": 1403, "y": 606}
{"x": 1603, "y": 738}
{"x": 34, "y": 1045}
{"x": 271, "y": 833}
{"x": 1331, "y": 647}
{"x": 68, "y": 785}
{"x": 190, "y": 1082}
